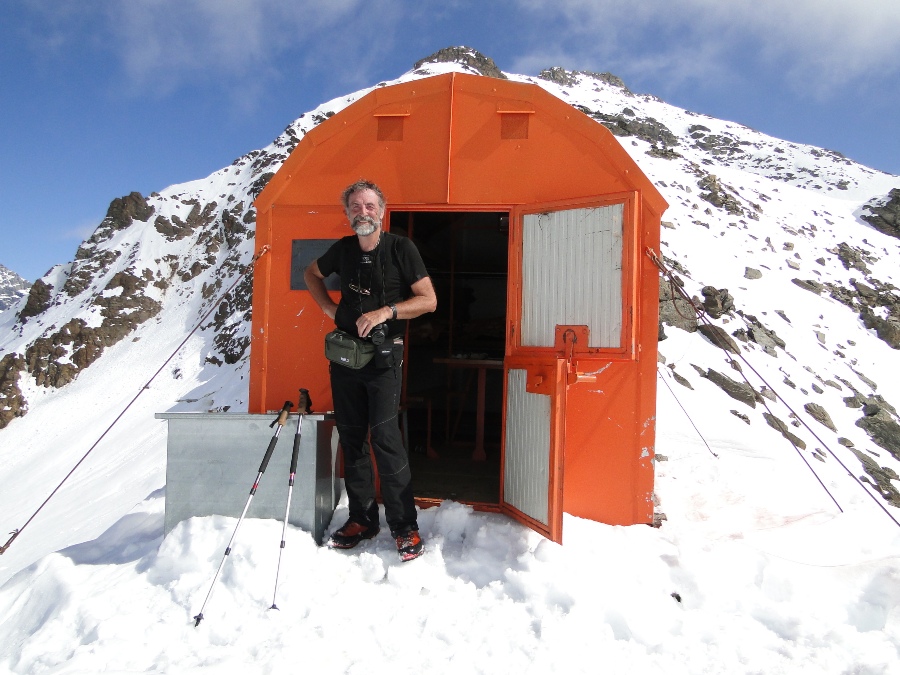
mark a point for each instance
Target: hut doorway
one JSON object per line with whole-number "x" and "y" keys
{"x": 453, "y": 391}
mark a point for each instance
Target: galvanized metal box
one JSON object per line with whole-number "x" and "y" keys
{"x": 213, "y": 459}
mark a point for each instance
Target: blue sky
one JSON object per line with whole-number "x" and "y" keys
{"x": 99, "y": 98}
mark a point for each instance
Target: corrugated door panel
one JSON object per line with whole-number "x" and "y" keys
{"x": 572, "y": 274}
{"x": 526, "y": 480}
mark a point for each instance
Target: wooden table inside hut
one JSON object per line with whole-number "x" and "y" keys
{"x": 479, "y": 366}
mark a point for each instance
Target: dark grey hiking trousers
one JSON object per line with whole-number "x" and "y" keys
{"x": 366, "y": 401}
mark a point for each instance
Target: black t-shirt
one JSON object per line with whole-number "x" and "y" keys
{"x": 372, "y": 279}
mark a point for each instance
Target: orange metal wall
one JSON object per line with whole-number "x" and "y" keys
{"x": 452, "y": 154}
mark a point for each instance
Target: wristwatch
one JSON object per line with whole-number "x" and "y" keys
{"x": 393, "y": 309}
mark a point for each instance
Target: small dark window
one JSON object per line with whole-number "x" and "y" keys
{"x": 303, "y": 252}
{"x": 390, "y": 128}
{"x": 514, "y": 125}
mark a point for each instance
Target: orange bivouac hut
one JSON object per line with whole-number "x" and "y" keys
{"x": 532, "y": 388}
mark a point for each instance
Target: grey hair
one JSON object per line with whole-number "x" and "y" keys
{"x": 359, "y": 186}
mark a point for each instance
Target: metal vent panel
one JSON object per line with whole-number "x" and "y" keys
{"x": 572, "y": 274}
{"x": 526, "y": 476}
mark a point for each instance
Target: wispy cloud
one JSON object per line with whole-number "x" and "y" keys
{"x": 818, "y": 45}
{"x": 77, "y": 231}
{"x": 164, "y": 45}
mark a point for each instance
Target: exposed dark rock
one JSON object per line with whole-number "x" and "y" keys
{"x": 718, "y": 145}
{"x": 723, "y": 197}
{"x": 884, "y": 214}
{"x": 12, "y": 288}
{"x": 809, "y": 285}
{"x": 38, "y": 300}
{"x": 719, "y": 338}
{"x": 179, "y": 229}
{"x": 741, "y": 416}
{"x": 887, "y": 330}
{"x": 819, "y": 414}
{"x": 784, "y": 430}
{"x": 871, "y": 383}
{"x": 740, "y": 391}
{"x": 648, "y": 129}
{"x": 750, "y": 273}
{"x": 89, "y": 264}
{"x": 674, "y": 310}
{"x": 12, "y": 401}
{"x": 260, "y": 183}
{"x": 121, "y": 213}
{"x": 683, "y": 381}
{"x": 717, "y": 301}
{"x": 854, "y": 257}
{"x": 54, "y": 360}
{"x": 232, "y": 316}
{"x": 765, "y": 337}
{"x": 881, "y": 427}
{"x": 882, "y": 475}
{"x": 234, "y": 230}
{"x": 567, "y": 78}
{"x": 466, "y": 56}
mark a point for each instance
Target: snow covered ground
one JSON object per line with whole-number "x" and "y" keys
{"x": 756, "y": 569}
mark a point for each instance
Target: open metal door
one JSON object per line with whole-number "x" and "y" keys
{"x": 566, "y": 297}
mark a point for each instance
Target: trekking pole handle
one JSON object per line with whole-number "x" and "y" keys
{"x": 282, "y": 418}
{"x": 304, "y": 406}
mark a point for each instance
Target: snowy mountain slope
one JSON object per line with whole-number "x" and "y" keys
{"x": 12, "y": 288}
{"x": 811, "y": 301}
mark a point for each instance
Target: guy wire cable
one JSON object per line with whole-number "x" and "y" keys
{"x": 685, "y": 413}
{"x": 16, "y": 532}
{"x": 702, "y": 317}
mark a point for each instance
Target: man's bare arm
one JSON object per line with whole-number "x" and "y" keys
{"x": 423, "y": 300}
{"x": 315, "y": 282}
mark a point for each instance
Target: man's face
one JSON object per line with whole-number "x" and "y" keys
{"x": 365, "y": 212}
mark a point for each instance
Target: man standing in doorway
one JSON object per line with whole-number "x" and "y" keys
{"x": 383, "y": 283}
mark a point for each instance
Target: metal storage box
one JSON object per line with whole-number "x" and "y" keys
{"x": 213, "y": 458}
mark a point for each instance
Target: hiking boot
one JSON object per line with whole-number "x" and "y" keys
{"x": 409, "y": 545}
{"x": 351, "y": 533}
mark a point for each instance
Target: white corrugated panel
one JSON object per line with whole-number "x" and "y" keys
{"x": 526, "y": 479}
{"x": 572, "y": 274}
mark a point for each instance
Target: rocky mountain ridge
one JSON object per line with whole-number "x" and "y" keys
{"x": 755, "y": 222}
{"x": 12, "y": 288}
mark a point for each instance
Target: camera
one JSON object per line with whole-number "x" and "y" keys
{"x": 378, "y": 334}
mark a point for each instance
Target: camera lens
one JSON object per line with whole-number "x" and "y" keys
{"x": 378, "y": 334}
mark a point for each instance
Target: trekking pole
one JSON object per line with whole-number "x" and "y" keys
{"x": 280, "y": 420}
{"x": 304, "y": 405}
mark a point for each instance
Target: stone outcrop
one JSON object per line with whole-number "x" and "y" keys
{"x": 882, "y": 477}
{"x": 882, "y": 428}
{"x": 674, "y": 310}
{"x": 740, "y": 391}
{"x": 723, "y": 197}
{"x": 121, "y": 213}
{"x": 569, "y": 78}
{"x": 12, "y": 402}
{"x": 627, "y": 123}
{"x": 819, "y": 414}
{"x": 717, "y": 301}
{"x": 12, "y": 288}
{"x": 471, "y": 58}
{"x": 719, "y": 337}
{"x": 55, "y": 359}
{"x": 884, "y": 214}
{"x": 784, "y": 430}
{"x": 39, "y": 297}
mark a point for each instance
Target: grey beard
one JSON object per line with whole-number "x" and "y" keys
{"x": 364, "y": 225}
